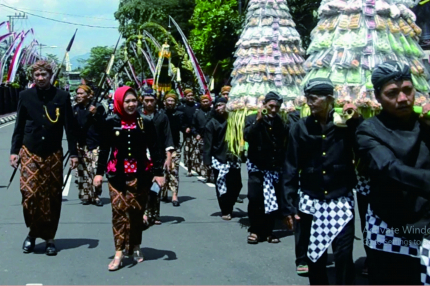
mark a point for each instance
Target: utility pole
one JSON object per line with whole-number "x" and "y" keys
{"x": 16, "y": 17}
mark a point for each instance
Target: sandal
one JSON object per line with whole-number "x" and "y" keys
{"x": 302, "y": 269}
{"x": 146, "y": 221}
{"x": 157, "y": 222}
{"x": 273, "y": 239}
{"x": 365, "y": 271}
{"x": 98, "y": 202}
{"x": 252, "y": 238}
{"x": 138, "y": 256}
{"x": 115, "y": 266}
{"x": 226, "y": 217}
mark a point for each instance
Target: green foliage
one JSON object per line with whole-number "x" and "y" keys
{"x": 305, "y": 16}
{"x": 52, "y": 57}
{"x": 217, "y": 26}
{"x": 153, "y": 16}
{"x": 96, "y": 64}
{"x": 132, "y": 14}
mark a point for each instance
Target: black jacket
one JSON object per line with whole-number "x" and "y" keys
{"x": 162, "y": 126}
{"x": 324, "y": 160}
{"x": 177, "y": 125}
{"x": 188, "y": 109}
{"x": 89, "y": 125}
{"x": 214, "y": 141}
{"x": 267, "y": 141}
{"x": 200, "y": 118}
{"x": 34, "y": 130}
{"x": 398, "y": 160}
{"x": 130, "y": 144}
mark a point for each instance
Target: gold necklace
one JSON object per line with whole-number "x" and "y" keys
{"x": 140, "y": 122}
{"x": 57, "y": 113}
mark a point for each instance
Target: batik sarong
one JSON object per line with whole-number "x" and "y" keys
{"x": 127, "y": 212}
{"x": 87, "y": 166}
{"x": 41, "y": 188}
{"x": 172, "y": 176}
{"x": 189, "y": 150}
{"x": 198, "y": 166}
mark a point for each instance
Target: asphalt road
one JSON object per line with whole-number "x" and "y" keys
{"x": 192, "y": 246}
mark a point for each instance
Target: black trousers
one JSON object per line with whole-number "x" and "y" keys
{"x": 234, "y": 185}
{"x": 261, "y": 223}
{"x": 302, "y": 243}
{"x": 393, "y": 269}
{"x": 363, "y": 202}
{"x": 342, "y": 249}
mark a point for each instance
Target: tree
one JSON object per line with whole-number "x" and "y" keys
{"x": 54, "y": 58}
{"x": 96, "y": 64}
{"x": 217, "y": 26}
{"x": 132, "y": 14}
{"x": 304, "y": 14}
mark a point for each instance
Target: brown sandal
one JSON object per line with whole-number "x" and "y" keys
{"x": 252, "y": 238}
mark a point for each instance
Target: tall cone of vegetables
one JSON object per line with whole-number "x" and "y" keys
{"x": 352, "y": 37}
{"x": 269, "y": 57}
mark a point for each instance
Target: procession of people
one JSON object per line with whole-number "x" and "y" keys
{"x": 302, "y": 171}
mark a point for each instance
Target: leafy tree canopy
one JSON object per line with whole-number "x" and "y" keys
{"x": 54, "y": 58}
{"x": 217, "y": 26}
{"x": 132, "y": 14}
{"x": 304, "y": 13}
{"x": 95, "y": 65}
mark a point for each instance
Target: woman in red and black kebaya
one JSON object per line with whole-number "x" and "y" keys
{"x": 126, "y": 137}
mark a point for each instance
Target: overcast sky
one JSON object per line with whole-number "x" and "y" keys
{"x": 58, "y": 34}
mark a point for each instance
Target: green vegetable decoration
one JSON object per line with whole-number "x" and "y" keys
{"x": 417, "y": 109}
{"x": 365, "y": 33}
{"x": 269, "y": 57}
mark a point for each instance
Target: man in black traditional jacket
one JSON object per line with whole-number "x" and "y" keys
{"x": 319, "y": 173}
{"x": 266, "y": 136}
{"x": 164, "y": 138}
{"x": 226, "y": 166}
{"x": 176, "y": 120}
{"x": 200, "y": 118}
{"x": 90, "y": 121}
{"x": 43, "y": 113}
{"x": 189, "y": 108}
{"x": 395, "y": 147}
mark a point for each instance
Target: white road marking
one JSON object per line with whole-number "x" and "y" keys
{"x": 33, "y": 284}
{"x": 7, "y": 124}
{"x": 67, "y": 188}
{"x": 210, "y": 185}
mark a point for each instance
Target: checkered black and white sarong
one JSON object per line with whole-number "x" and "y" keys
{"x": 270, "y": 201}
{"x": 329, "y": 218}
{"x": 223, "y": 171}
{"x": 380, "y": 237}
{"x": 425, "y": 261}
{"x": 363, "y": 185}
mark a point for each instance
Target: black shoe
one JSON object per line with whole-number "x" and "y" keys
{"x": 85, "y": 202}
{"x": 176, "y": 203}
{"x": 28, "y": 245}
{"x": 50, "y": 249}
{"x": 239, "y": 200}
{"x": 164, "y": 199}
{"x": 98, "y": 202}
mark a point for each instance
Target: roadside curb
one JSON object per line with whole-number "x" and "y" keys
{"x": 7, "y": 118}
